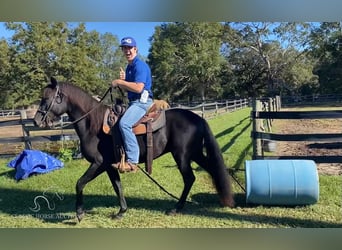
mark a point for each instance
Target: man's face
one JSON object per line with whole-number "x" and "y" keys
{"x": 129, "y": 52}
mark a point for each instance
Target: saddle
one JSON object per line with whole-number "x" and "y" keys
{"x": 153, "y": 120}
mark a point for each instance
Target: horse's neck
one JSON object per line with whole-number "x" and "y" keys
{"x": 79, "y": 118}
{"x": 77, "y": 115}
{"x": 77, "y": 124}
{"x": 78, "y": 110}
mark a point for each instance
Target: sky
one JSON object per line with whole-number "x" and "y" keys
{"x": 141, "y": 31}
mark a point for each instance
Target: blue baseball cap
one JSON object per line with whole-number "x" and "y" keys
{"x": 128, "y": 41}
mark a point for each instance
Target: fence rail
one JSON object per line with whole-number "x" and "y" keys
{"x": 6, "y": 113}
{"x": 262, "y": 134}
{"x": 20, "y": 133}
{"x": 316, "y": 99}
{"x": 210, "y": 110}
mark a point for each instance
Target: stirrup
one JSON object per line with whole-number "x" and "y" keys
{"x": 128, "y": 167}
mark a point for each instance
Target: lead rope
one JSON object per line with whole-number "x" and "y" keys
{"x": 160, "y": 186}
{"x": 237, "y": 181}
{"x": 175, "y": 197}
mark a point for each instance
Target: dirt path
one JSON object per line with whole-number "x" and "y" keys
{"x": 307, "y": 148}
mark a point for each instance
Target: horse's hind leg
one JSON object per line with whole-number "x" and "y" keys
{"x": 92, "y": 172}
{"x": 188, "y": 176}
{"x": 115, "y": 179}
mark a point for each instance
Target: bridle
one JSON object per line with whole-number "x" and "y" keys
{"x": 57, "y": 93}
{"x": 48, "y": 110}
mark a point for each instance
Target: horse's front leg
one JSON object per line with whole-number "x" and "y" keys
{"x": 114, "y": 177}
{"x": 92, "y": 172}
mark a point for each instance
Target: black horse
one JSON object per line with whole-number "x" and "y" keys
{"x": 186, "y": 135}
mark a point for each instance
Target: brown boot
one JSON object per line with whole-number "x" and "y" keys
{"x": 125, "y": 167}
{"x": 115, "y": 165}
{"x": 130, "y": 167}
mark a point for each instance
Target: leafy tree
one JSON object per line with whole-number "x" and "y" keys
{"x": 261, "y": 54}
{"x": 83, "y": 58}
{"x": 326, "y": 47}
{"x": 34, "y": 55}
{"x": 4, "y": 71}
{"x": 111, "y": 60}
{"x": 39, "y": 50}
{"x": 185, "y": 60}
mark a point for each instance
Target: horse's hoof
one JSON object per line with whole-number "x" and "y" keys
{"x": 228, "y": 202}
{"x": 172, "y": 212}
{"x": 80, "y": 216}
{"x": 118, "y": 216}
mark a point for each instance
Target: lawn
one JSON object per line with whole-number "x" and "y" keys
{"x": 147, "y": 203}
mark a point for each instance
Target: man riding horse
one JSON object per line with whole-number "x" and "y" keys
{"x": 137, "y": 81}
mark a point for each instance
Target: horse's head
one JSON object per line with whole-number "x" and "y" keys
{"x": 52, "y": 105}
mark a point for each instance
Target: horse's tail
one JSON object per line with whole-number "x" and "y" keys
{"x": 217, "y": 169}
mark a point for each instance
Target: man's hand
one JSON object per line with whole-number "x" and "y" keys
{"x": 115, "y": 83}
{"x": 122, "y": 74}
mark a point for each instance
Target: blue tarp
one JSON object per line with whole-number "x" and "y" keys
{"x": 33, "y": 161}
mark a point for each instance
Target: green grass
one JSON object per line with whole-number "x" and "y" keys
{"x": 147, "y": 203}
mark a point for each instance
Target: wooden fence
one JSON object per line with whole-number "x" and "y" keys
{"x": 19, "y": 131}
{"x": 30, "y": 133}
{"x": 210, "y": 110}
{"x": 263, "y": 115}
{"x": 310, "y": 100}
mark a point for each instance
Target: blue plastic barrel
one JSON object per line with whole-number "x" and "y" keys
{"x": 281, "y": 182}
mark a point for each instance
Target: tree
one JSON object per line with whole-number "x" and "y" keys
{"x": 111, "y": 60}
{"x": 83, "y": 59}
{"x": 4, "y": 71}
{"x": 26, "y": 74}
{"x": 185, "y": 60}
{"x": 268, "y": 52}
{"x": 326, "y": 47}
{"x": 39, "y": 50}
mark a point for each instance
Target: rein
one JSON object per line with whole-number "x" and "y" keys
{"x": 86, "y": 114}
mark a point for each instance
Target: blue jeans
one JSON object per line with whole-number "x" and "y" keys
{"x": 135, "y": 111}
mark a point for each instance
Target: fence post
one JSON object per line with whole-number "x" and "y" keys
{"x": 278, "y": 103}
{"x": 270, "y": 109}
{"x": 26, "y": 133}
{"x": 257, "y": 150}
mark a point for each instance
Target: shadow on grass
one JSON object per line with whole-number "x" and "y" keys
{"x": 231, "y": 129}
{"x": 235, "y": 137}
{"x": 233, "y": 140}
{"x": 10, "y": 173}
{"x": 208, "y": 200}
{"x": 21, "y": 203}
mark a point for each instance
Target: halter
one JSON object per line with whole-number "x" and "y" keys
{"x": 46, "y": 112}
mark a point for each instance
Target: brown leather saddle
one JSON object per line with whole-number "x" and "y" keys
{"x": 153, "y": 120}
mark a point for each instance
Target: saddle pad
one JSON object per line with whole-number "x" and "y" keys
{"x": 156, "y": 124}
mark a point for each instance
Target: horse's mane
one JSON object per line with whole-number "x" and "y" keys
{"x": 79, "y": 97}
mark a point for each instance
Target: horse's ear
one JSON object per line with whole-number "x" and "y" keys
{"x": 53, "y": 81}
